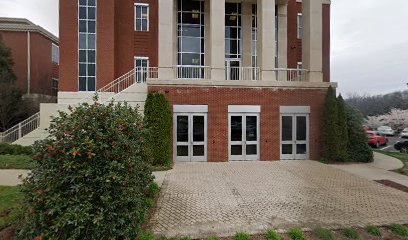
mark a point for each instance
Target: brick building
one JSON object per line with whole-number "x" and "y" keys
{"x": 35, "y": 54}
{"x": 246, "y": 79}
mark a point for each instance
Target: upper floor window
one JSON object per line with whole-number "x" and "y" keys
{"x": 87, "y": 45}
{"x": 54, "y": 87}
{"x": 141, "y": 17}
{"x": 299, "y": 26}
{"x": 141, "y": 69}
{"x": 55, "y": 53}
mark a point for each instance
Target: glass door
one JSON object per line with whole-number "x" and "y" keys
{"x": 190, "y": 137}
{"x": 233, "y": 69}
{"x": 243, "y": 137}
{"x": 294, "y": 136}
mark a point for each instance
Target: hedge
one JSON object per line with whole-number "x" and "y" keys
{"x": 12, "y": 149}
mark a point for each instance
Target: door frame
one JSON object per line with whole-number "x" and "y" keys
{"x": 190, "y": 111}
{"x": 228, "y": 68}
{"x": 244, "y": 111}
{"x": 294, "y": 112}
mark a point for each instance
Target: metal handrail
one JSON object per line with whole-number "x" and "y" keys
{"x": 21, "y": 129}
{"x": 192, "y": 72}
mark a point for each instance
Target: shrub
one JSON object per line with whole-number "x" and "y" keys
{"x": 92, "y": 176}
{"x": 330, "y": 133}
{"x": 296, "y": 234}
{"x": 158, "y": 119}
{"x": 343, "y": 129}
{"x": 323, "y": 234}
{"x": 358, "y": 149}
{"x": 13, "y": 149}
{"x": 241, "y": 236}
{"x": 373, "y": 230}
{"x": 351, "y": 233}
{"x": 399, "y": 230}
{"x": 153, "y": 190}
{"x": 273, "y": 235}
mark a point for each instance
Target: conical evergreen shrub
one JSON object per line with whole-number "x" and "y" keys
{"x": 343, "y": 130}
{"x": 330, "y": 132}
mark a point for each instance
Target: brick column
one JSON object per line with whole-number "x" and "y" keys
{"x": 217, "y": 39}
{"x": 167, "y": 22}
{"x": 312, "y": 45}
{"x": 266, "y": 39}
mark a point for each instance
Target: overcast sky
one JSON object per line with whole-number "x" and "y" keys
{"x": 369, "y": 40}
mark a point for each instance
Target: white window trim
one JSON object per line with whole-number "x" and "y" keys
{"x": 190, "y": 108}
{"x": 142, "y": 58}
{"x": 299, "y": 26}
{"x": 52, "y": 53}
{"x": 295, "y": 109}
{"x": 148, "y": 16}
{"x": 244, "y": 109}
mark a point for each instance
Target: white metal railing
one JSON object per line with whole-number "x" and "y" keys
{"x": 242, "y": 73}
{"x": 21, "y": 129}
{"x": 138, "y": 75}
{"x": 192, "y": 72}
{"x": 291, "y": 75}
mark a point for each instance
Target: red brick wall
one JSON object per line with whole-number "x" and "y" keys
{"x": 68, "y": 23}
{"x": 17, "y": 41}
{"x": 42, "y": 69}
{"x": 270, "y": 101}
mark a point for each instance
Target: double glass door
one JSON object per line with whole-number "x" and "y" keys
{"x": 190, "y": 137}
{"x": 243, "y": 137}
{"x": 294, "y": 136}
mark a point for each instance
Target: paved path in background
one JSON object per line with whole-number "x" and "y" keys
{"x": 377, "y": 170}
{"x": 11, "y": 177}
{"x": 205, "y": 199}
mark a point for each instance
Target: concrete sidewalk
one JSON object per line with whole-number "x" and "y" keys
{"x": 11, "y": 177}
{"x": 380, "y": 169}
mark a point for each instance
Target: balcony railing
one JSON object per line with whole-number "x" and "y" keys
{"x": 20, "y": 130}
{"x": 192, "y": 72}
{"x": 242, "y": 73}
{"x": 291, "y": 75}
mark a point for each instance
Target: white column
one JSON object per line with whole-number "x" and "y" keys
{"x": 312, "y": 45}
{"x": 217, "y": 39}
{"x": 246, "y": 34}
{"x": 166, "y": 38}
{"x": 266, "y": 39}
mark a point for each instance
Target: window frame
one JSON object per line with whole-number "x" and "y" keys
{"x": 141, "y": 76}
{"x": 142, "y": 5}
{"x": 54, "y": 53}
{"x": 299, "y": 29}
{"x": 54, "y": 89}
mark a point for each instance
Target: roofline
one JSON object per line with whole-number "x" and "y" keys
{"x": 24, "y": 25}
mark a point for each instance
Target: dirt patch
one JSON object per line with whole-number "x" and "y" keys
{"x": 393, "y": 185}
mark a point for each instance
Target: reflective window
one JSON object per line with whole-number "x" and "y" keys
{"x": 55, "y": 53}
{"x": 254, "y": 52}
{"x": 287, "y": 128}
{"x": 233, "y": 32}
{"x": 54, "y": 87}
{"x": 190, "y": 32}
{"x": 299, "y": 26}
{"x": 141, "y": 17}
{"x": 87, "y": 45}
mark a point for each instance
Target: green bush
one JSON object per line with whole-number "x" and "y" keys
{"x": 323, "y": 234}
{"x": 13, "y": 149}
{"x": 153, "y": 190}
{"x": 273, "y": 235}
{"x": 343, "y": 129}
{"x": 92, "y": 176}
{"x": 242, "y": 236}
{"x": 351, "y": 233}
{"x": 330, "y": 132}
{"x": 158, "y": 119}
{"x": 296, "y": 234}
{"x": 373, "y": 230}
{"x": 399, "y": 230}
{"x": 358, "y": 149}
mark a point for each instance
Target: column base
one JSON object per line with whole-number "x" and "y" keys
{"x": 268, "y": 75}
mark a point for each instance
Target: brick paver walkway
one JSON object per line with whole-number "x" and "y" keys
{"x": 204, "y": 199}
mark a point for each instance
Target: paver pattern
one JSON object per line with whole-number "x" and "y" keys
{"x": 205, "y": 199}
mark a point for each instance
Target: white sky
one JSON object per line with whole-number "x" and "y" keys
{"x": 369, "y": 40}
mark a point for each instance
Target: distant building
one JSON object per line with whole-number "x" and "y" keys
{"x": 35, "y": 53}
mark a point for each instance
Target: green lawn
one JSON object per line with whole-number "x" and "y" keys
{"x": 16, "y": 162}
{"x": 10, "y": 198}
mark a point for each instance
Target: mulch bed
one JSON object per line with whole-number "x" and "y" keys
{"x": 393, "y": 185}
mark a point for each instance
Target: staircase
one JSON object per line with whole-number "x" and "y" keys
{"x": 130, "y": 88}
